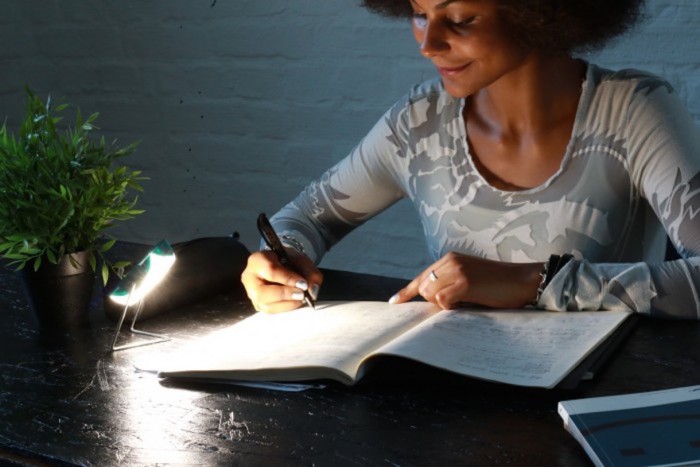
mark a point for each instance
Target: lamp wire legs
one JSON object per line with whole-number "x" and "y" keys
{"x": 154, "y": 338}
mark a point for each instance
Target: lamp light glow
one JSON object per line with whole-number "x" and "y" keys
{"x": 137, "y": 284}
{"x": 145, "y": 276}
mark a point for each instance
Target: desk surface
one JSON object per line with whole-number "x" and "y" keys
{"x": 67, "y": 400}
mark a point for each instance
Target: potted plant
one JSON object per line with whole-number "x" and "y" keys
{"x": 60, "y": 189}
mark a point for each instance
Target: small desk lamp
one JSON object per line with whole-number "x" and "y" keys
{"x": 134, "y": 287}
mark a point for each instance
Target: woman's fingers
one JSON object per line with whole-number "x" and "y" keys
{"x": 442, "y": 286}
{"x": 273, "y": 288}
{"x": 457, "y": 278}
{"x": 422, "y": 284}
{"x": 276, "y": 298}
{"x": 308, "y": 270}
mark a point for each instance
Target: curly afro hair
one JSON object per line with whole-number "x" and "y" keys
{"x": 550, "y": 26}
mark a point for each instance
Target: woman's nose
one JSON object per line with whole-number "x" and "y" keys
{"x": 433, "y": 41}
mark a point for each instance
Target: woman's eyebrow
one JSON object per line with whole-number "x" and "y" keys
{"x": 445, "y": 3}
{"x": 442, "y": 4}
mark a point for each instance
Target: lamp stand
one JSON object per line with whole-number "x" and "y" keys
{"x": 153, "y": 338}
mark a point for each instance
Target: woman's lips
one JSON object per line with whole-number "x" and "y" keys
{"x": 451, "y": 71}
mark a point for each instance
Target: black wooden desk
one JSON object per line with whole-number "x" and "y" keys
{"x": 68, "y": 400}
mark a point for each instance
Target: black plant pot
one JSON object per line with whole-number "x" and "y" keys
{"x": 59, "y": 294}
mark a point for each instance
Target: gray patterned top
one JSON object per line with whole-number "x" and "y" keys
{"x": 630, "y": 176}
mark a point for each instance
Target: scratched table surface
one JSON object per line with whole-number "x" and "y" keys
{"x": 64, "y": 399}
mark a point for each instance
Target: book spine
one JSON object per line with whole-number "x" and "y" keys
{"x": 574, "y": 430}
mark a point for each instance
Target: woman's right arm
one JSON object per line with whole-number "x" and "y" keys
{"x": 357, "y": 188}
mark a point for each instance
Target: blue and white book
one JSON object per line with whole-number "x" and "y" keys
{"x": 647, "y": 428}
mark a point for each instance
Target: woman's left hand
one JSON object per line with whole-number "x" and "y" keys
{"x": 457, "y": 278}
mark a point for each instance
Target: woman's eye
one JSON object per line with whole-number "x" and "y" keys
{"x": 419, "y": 20}
{"x": 460, "y": 23}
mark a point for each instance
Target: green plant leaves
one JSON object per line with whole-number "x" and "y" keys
{"x": 61, "y": 188}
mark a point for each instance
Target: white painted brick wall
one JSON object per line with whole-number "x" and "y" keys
{"x": 239, "y": 103}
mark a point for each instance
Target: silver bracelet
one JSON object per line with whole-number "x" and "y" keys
{"x": 290, "y": 241}
{"x": 543, "y": 284}
{"x": 549, "y": 270}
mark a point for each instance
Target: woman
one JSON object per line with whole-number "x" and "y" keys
{"x": 539, "y": 179}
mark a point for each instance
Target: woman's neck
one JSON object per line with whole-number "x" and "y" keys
{"x": 518, "y": 128}
{"x": 530, "y": 99}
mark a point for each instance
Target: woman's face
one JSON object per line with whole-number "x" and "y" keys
{"x": 467, "y": 41}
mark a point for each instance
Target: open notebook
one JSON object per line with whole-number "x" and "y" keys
{"x": 338, "y": 339}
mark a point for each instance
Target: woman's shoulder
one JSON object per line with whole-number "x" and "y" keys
{"x": 429, "y": 89}
{"x": 628, "y": 79}
{"x": 425, "y": 102}
{"x": 426, "y": 93}
{"x": 614, "y": 99}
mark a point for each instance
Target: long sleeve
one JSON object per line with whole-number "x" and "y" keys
{"x": 664, "y": 165}
{"x": 357, "y": 188}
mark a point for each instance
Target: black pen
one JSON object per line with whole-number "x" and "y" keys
{"x": 273, "y": 241}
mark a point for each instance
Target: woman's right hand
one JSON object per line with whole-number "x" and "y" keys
{"x": 272, "y": 288}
